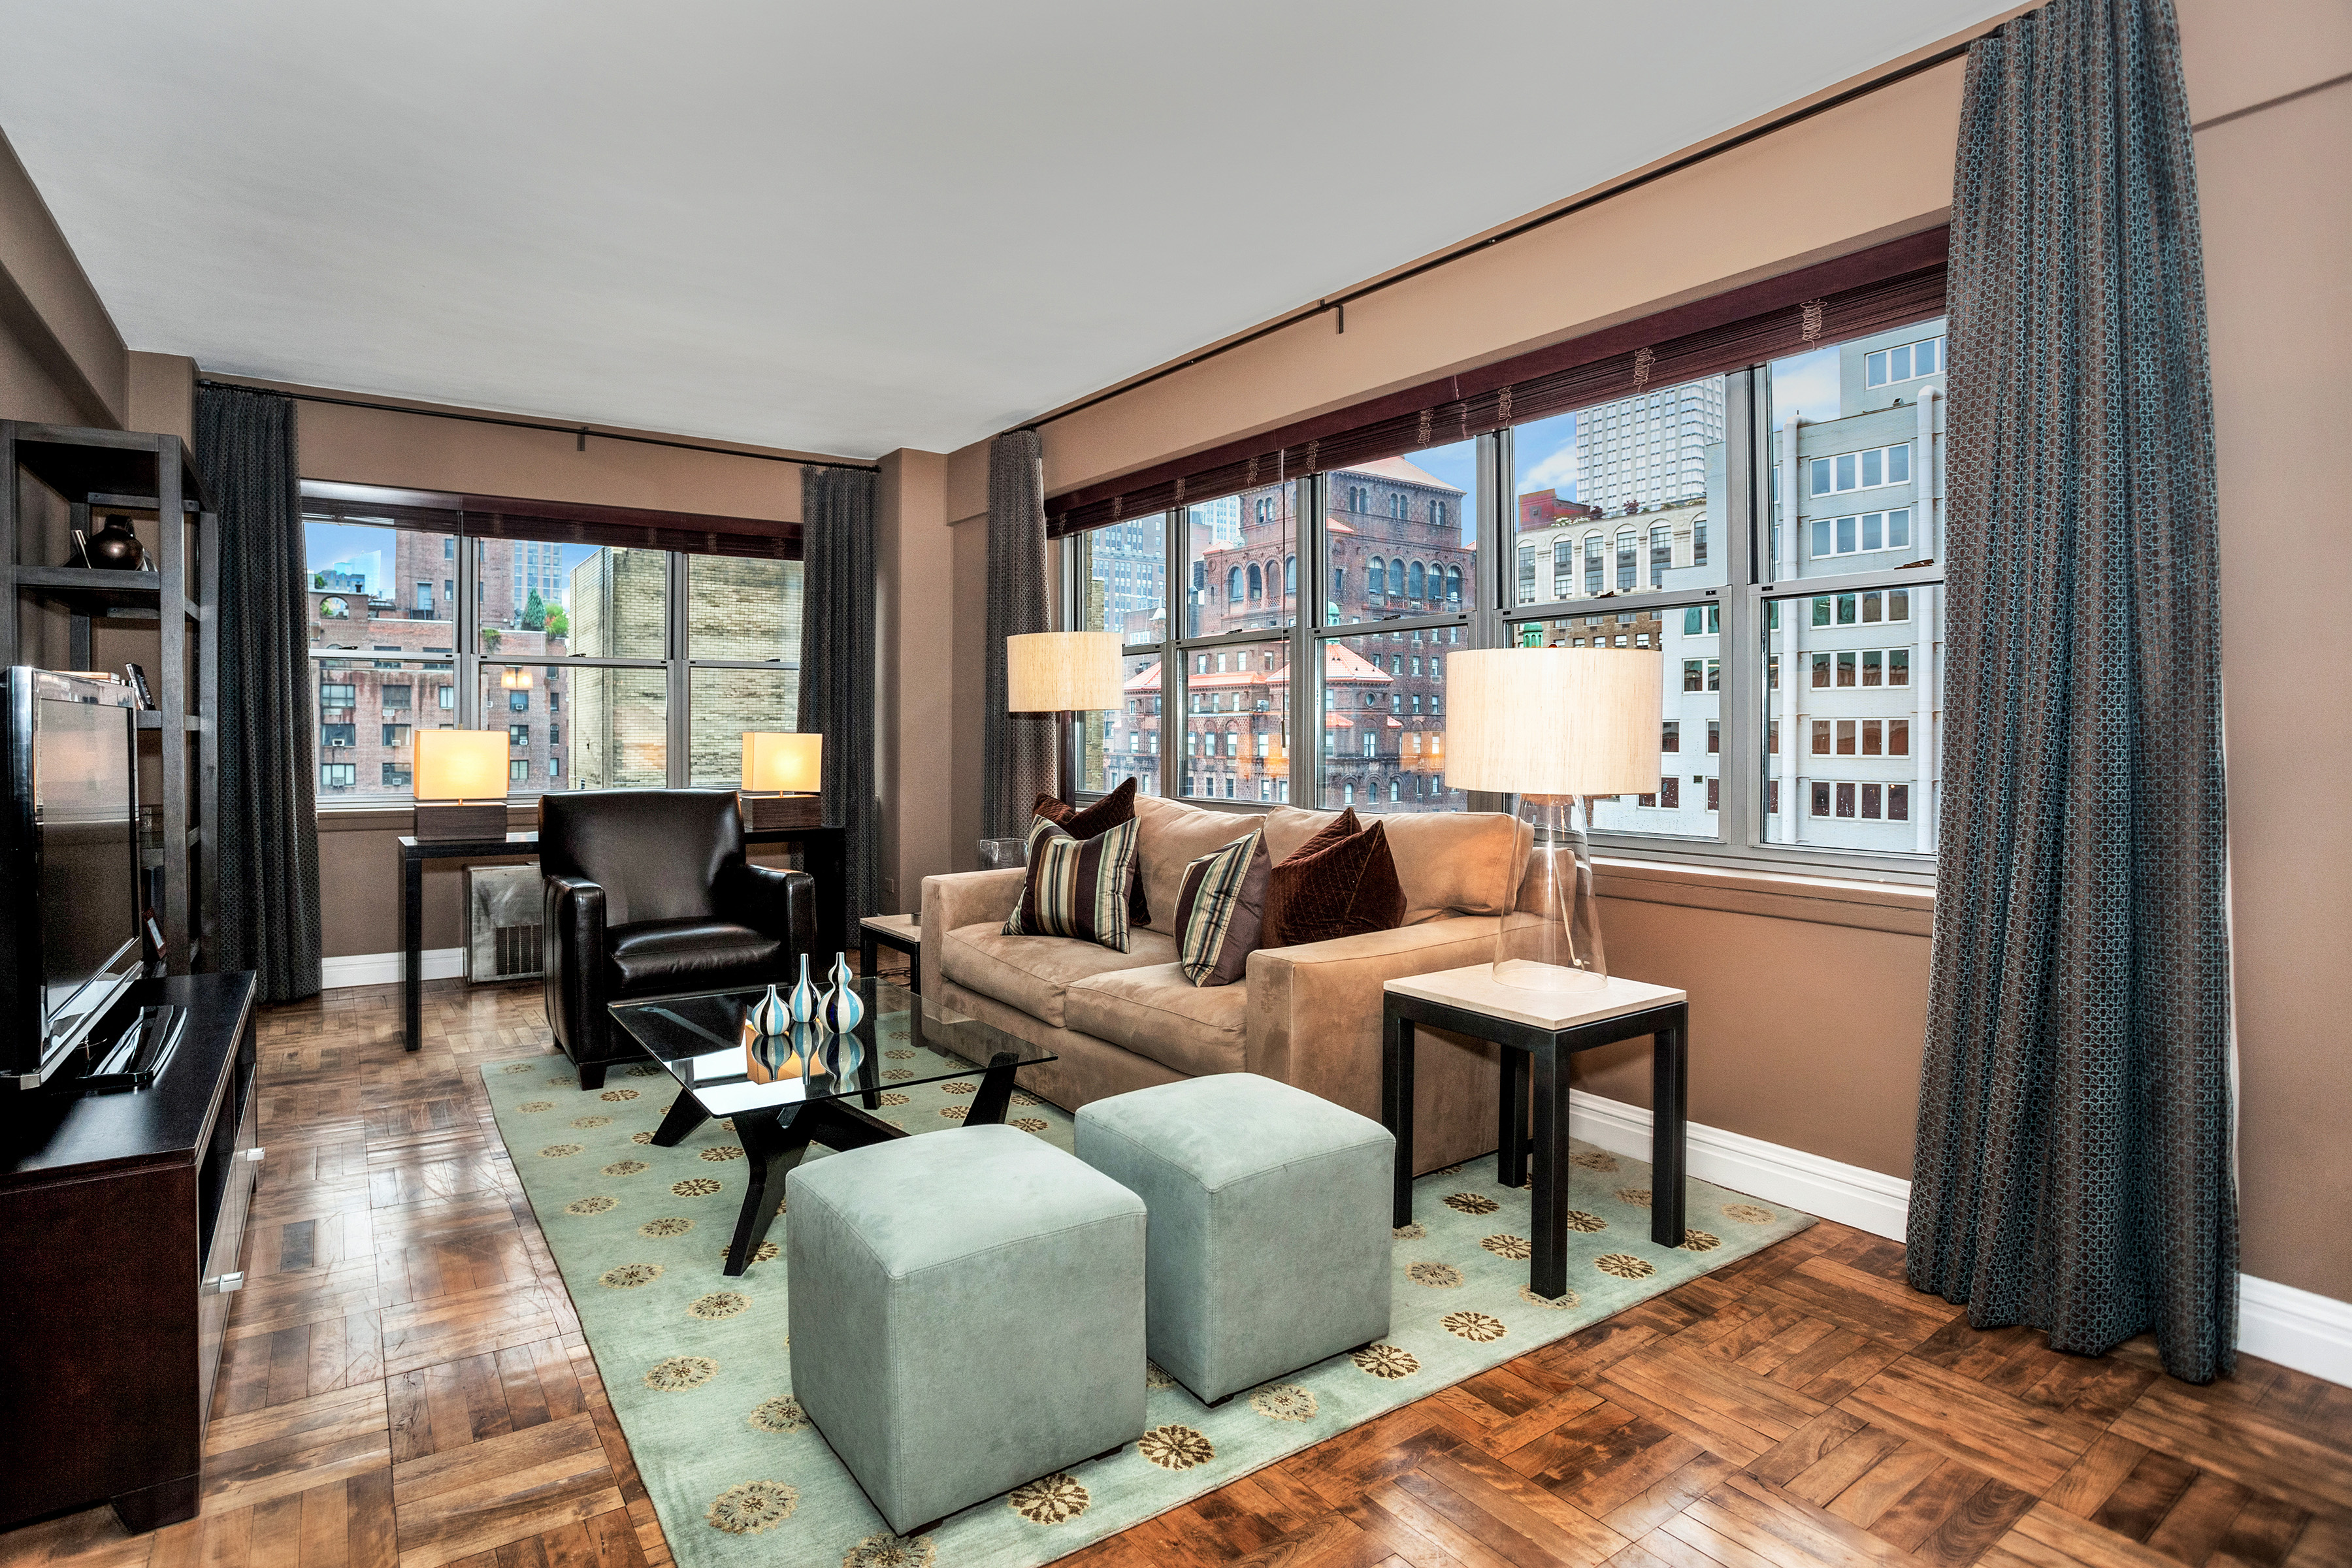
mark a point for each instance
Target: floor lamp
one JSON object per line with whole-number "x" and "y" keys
{"x": 1559, "y": 727}
{"x": 1065, "y": 673}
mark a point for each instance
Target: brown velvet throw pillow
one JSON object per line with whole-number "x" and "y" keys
{"x": 1342, "y": 882}
{"x": 1109, "y": 811}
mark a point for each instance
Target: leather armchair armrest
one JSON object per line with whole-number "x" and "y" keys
{"x": 573, "y": 956}
{"x": 1314, "y": 1020}
{"x": 774, "y": 902}
{"x": 964, "y": 898}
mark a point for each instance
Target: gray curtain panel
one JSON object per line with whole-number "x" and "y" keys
{"x": 1018, "y": 747}
{"x": 268, "y": 838}
{"x": 2074, "y": 1169}
{"x": 837, "y": 658}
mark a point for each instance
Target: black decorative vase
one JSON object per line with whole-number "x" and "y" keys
{"x": 115, "y": 548}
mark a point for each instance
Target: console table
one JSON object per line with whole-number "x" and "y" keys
{"x": 1540, "y": 1030}
{"x": 128, "y": 1213}
{"x": 824, "y": 849}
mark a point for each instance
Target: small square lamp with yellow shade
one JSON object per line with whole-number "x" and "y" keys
{"x": 783, "y": 780}
{"x": 461, "y": 784}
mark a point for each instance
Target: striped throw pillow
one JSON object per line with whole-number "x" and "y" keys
{"x": 1076, "y": 887}
{"x": 1220, "y": 910}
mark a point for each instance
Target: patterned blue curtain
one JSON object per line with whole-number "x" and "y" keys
{"x": 836, "y": 697}
{"x": 267, "y": 857}
{"x": 2074, "y": 1169}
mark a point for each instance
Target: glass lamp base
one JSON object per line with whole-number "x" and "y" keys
{"x": 1551, "y": 941}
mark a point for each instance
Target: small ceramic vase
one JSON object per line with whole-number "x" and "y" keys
{"x": 805, "y": 1001}
{"x": 769, "y": 1014}
{"x": 808, "y": 1051}
{"x": 842, "y": 1007}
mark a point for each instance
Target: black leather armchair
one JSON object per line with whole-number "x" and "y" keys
{"x": 648, "y": 893}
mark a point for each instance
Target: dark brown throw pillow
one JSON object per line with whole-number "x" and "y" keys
{"x": 1094, "y": 821}
{"x": 1336, "y": 884}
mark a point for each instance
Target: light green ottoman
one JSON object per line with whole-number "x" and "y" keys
{"x": 1270, "y": 1240}
{"x": 966, "y": 1312}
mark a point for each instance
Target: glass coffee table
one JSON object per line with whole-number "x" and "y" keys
{"x": 811, "y": 1086}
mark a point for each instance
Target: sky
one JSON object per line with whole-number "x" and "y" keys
{"x": 361, "y": 547}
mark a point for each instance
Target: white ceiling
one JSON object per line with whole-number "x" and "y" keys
{"x": 843, "y": 227}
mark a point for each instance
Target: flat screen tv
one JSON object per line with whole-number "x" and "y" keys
{"x": 70, "y": 914}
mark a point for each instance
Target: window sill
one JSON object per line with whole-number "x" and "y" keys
{"x": 1772, "y": 895}
{"x": 402, "y": 818}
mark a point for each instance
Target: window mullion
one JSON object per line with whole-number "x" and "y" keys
{"x": 467, "y": 658}
{"x": 679, "y": 729}
{"x": 1739, "y": 822}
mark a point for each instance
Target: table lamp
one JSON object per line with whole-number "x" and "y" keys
{"x": 461, "y": 784}
{"x": 1063, "y": 673}
{"x": 1556, "y": 727}
{"x": 783, "y": 780}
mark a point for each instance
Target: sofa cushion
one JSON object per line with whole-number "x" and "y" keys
{"x": 1031, "y": 972}
{"x": 1466, "y": 861}
{"x": 1336, "y": 884}
{"x": 1092, "y": 822}
{"x": 1221, "y": 911}
{"x": 1171, "y": 837}
{"x": 1076, "y": 887}
{"x": 1158, "y": 1013}
{"x": 656, "y": 958}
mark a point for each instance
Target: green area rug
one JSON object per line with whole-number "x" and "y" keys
{"x": 698, "y": 1366}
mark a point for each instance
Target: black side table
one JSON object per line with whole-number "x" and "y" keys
{"x": 1541, "y": 1030}
{"x": 900, "y": 934}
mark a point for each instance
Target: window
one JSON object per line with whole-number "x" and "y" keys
{"x": 395, "y": 735}
{"x": 396, "y": 775}
{"x": 338, "y": 776}
{"x": 518, "y": 702}
{"x": 1592, "y": 564}
{"x": 519, "y": 770}
{"x": 519, "y": 736}
{"x": 1865, "y": 531}
{"x": 335, "y": 696}
{"x": 1671, "y": 737}
{"x": 340, "y": 735}
{"x": 1905, "y": 361}
{"x": 1670, "y": 792}
{"x": 448, "y": 699}
{"x": 1661, "y": 554}
{"x": 1865, "y": 469}
{"x": 1626, "y": 542}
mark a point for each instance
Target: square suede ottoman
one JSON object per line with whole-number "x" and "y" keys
{"x": 1269, "y": 1245}
{"x": 966, "y": 1314}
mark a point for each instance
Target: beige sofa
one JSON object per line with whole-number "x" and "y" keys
{"x": 1309, "y": 1015}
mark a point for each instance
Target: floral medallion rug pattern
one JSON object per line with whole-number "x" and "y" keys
{"x": 698, "y": 1365}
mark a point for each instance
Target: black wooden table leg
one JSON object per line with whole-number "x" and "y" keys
{"x": 1548, "y": 1275}
{"x": 412, "y": 947}
{"x": 867, "y": 956}
{"x": 1396, "y": 1107}
{"x": 1669, "y": 1126}
{"x": 684, "y": 1114}
{"x": 772, "y": 1147}
{"x": 1511, "y": 1124}
{"x": 988, "y": 1107}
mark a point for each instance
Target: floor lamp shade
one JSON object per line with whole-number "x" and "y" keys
{"x": 1556, "y": 727}
{"x": 1062, "y": 672}
{"x": 461, "y": 779}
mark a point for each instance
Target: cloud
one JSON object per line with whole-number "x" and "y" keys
{"x": 1551, "y": 471}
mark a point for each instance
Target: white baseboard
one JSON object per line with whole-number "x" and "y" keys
{"x": 384, "y": 968}
{"x": 2300, "y": 1328}
{"x": 2309, "y": 1332}
{"x": 1866, "y": 1200}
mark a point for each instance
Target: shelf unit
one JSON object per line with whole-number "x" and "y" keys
{"x": 59, "y": 477}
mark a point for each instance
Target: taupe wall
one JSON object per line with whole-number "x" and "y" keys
{"x": 1808, "y": 1034}
{"x": 61, "y": 360}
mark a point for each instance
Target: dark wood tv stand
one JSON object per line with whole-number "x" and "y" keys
{"x": 124, "y": 1214}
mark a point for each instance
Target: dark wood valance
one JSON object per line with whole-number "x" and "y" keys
{"x": 561, "y": 523}
{"x": 1869, "y": 292}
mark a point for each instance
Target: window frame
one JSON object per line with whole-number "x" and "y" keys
{"x": 1489, "y": 615}
{"x": 463, "y": 668}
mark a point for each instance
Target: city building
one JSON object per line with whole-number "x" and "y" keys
{"x": 1648, "y": 449}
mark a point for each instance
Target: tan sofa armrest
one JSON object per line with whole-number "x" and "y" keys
{"x": 1314, "y": 1020}
{"x": 962, "y": 898}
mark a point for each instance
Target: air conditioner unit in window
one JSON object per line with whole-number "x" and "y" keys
{"x": 502, "y": 923}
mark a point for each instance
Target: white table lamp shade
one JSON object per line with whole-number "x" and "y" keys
{"x": 1554, "y": 720}
{"x": 461, "y": 765}
{"x": 1054, "y": 672}
{"x": 790, "y": 763}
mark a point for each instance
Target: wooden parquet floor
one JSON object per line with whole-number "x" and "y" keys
{"x": 406, "y": 1386}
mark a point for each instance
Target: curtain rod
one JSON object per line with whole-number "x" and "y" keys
{"x": 580, "y": 431}
{"x": 1339, "y": 302}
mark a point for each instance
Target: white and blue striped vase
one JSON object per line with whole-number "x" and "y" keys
{"x": 806, "y": 1002}
{"x": 842, "y": 1007}
{"x": 769, "y": 1014}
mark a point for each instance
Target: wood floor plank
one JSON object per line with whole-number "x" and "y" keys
{"x": 2257, "y": 1451}
{"x": 2027, "y": 1448}
{"x": 2052, "y": 1538}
